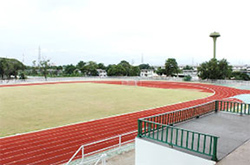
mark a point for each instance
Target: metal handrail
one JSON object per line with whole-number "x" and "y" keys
{"x": 103, "y": 158}
{"x": 82, "y": 147}
{"x": 170, "y": 118}
{"x": 205, "y": 144}
{"x": 153, "y": 127}
{"x": 233, "y": 107}
{"x": 182, "y": 129}
{"x": 179, "y": 110}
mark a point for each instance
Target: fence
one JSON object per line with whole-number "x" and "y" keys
{"x": 41, "y": 79}
{"x": 183, "y": 114}
{"x": 159, "y": 127}
{"x": 102, "y": 145}
{"x": 193, "y": 141}
{"x": 233, "y": 107}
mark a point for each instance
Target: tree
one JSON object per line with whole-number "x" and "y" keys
{"x": 101, "y": 66}
{"x": 44, "y": 66}
{"x": 145, "y": 66}
{"x": 187, "y": 67}
{"x": 22, "y": 76}
{"x": 111, "y": 70}
{"x": 90, "y": 68}
{"x": 80, "y": 66}
{"x": 116, "y": 70}
{"x": 187, "y": 78}
{"x": 10, "y": 67}
{"x": 124, "y": 64}
{"x": 134, "y": 71}
{"x": 14, "y": 66}
{"x": 59, "y": 70}
{"x": 225, "y": 69}
{"x": 34, "y": 71}
{"x": 69, "y": 69}
{"x": 3, "y": 66}
{"x": 215, "y": 69}
{"x": 171, "y": 67}
{"x": 240, "y": 76}
{"x": 160, "y": 71}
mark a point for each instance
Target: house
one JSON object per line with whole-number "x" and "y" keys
{"x": 148, "y": 73}
{"x": 102, "y": 73}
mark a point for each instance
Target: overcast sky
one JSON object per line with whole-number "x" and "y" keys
{"x": 109, "y": 31}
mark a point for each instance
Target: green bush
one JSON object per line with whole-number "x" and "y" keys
{"x": 22, "y": 76}
{"x": 187, "y": 78}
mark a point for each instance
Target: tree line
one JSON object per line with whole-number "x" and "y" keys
{"x": 10, "y": 67}
{"x": 213, "y": 69}
{"x": 82, "y": 69}
{"x": 220, "y": 69}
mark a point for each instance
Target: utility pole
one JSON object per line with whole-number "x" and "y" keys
{"x": 214, "y": 35}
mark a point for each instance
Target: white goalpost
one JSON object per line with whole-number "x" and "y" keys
{"x": 130, "y": 82}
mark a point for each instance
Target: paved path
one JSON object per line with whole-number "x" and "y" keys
{"x": 240, "y": 156}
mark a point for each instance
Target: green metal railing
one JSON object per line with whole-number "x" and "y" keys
{"x": 160, "y": 127}
{"x": 234, "y": 107}
{"x": 170, "y": 118}
{"x": 189, "y": 140}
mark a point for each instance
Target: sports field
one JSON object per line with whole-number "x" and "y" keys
{"x": 57, "y": 145}
{"x": 29, "y": 108}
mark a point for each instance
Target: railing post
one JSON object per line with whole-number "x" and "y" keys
{"x": 139, "y": 128}
{"x": 120, "y": 141}
{"x": 241, "y": 109}
{"x": 104, "y": 159}
{"x": 216, "y": 105}
{"x": 248, "y": 109}
{"x": 82, "y": 154}
{"x": 214, "y": 157}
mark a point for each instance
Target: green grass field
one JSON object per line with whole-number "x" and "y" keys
{"x": 30, "y": 108}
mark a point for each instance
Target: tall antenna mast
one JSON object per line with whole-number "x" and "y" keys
{"x": 142, "y": 58}
{"x": 39, "y": 56}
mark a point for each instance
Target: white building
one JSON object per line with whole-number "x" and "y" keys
{"x": 102, "y": 73}
{"x": 148, "y": 73}
{"x": 242, "y": 68}
{"x": 194, "y": 72}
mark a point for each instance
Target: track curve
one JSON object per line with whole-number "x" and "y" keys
{"x": 57, "y": 145}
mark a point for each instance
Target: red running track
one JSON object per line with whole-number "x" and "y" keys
{"x": 57, "y": 145}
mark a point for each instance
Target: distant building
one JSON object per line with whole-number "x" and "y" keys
{"x": 102, "y": 73}
{"x": 194, "y": 72}
{"x": 148, "y": 73}
{"x": 242, "y": 68}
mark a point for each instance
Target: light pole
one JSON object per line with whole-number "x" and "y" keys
{"x": 214, "y": 35}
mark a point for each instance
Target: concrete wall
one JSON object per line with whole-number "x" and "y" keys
{"x": 148, "y": 153}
